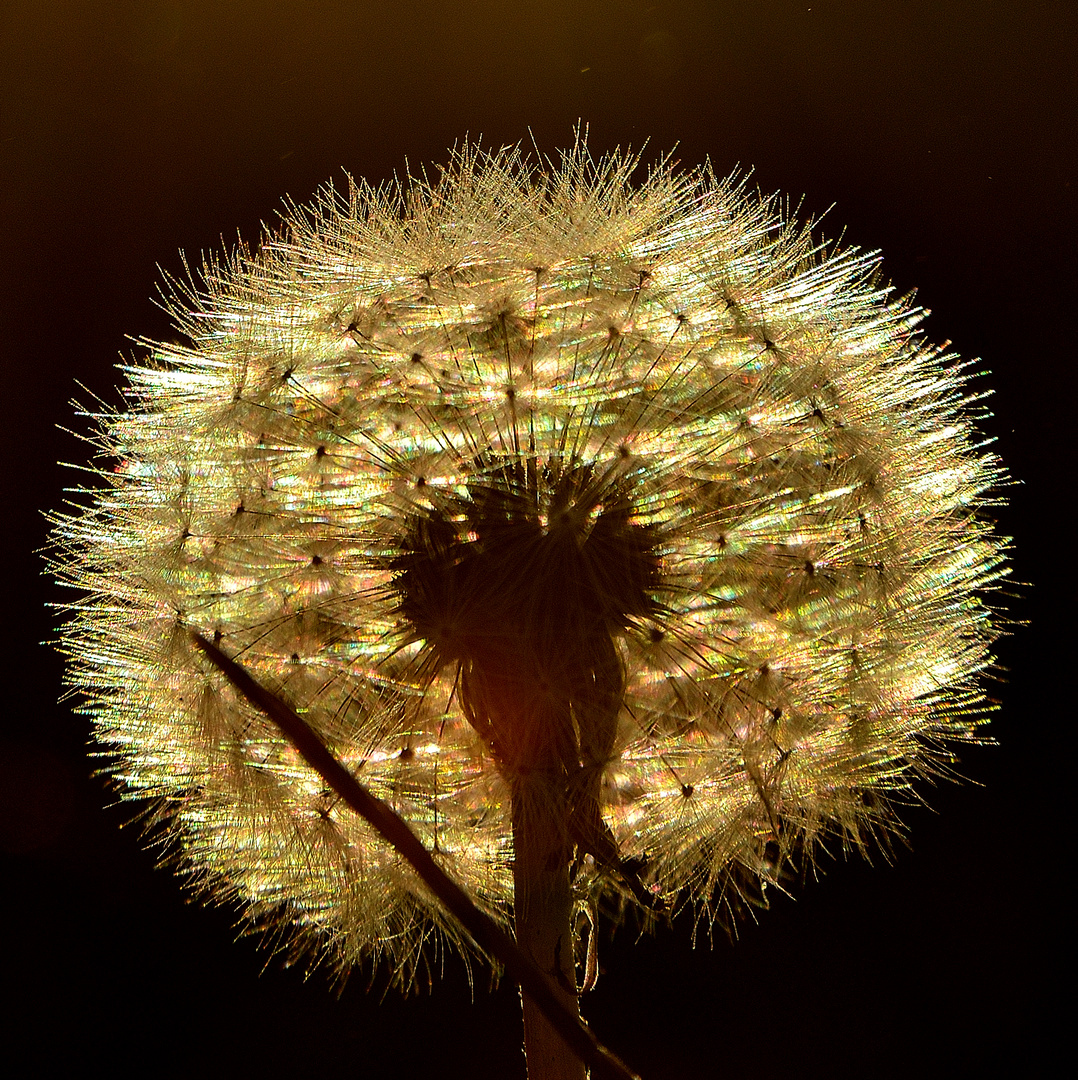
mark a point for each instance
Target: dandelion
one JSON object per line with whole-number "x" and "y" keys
{"x": 624, "y": 539}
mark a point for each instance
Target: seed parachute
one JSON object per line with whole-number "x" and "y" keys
{"x": 628, "y": 514}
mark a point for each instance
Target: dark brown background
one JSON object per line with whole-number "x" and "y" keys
{"x": 943, "y": 132}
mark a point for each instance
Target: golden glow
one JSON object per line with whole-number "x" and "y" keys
{"x": 810, "y": 462}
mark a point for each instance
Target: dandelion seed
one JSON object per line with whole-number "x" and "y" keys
{"x": 624, "y": 539}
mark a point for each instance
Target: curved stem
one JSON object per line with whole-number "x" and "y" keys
{"x": 490, "y": 938}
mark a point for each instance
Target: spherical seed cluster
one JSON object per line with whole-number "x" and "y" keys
{"x": 526, "y": 469}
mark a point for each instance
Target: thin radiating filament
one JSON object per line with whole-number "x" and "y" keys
{"x": 748, "y": 491}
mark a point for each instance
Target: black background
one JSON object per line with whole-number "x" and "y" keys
{"x": 944, "y": 134}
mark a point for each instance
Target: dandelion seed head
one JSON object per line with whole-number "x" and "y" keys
{"x": 531, "y": 467}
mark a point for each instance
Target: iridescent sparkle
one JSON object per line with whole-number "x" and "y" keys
{"x": 753, "y": 402}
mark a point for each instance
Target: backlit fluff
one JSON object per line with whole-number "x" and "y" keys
{"x": 771, "y": 569}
